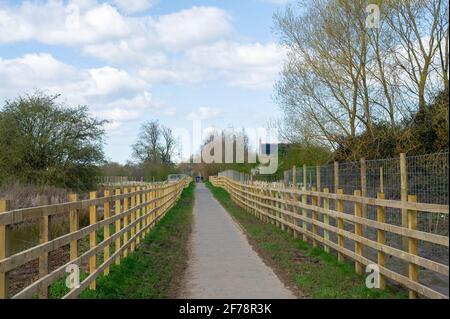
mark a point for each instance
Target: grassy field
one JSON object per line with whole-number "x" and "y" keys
{"x": 154, "y": 269}
{"x": 309, "y": 272}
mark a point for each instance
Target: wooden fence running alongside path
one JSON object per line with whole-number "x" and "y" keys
{"x": 127, "y": 216}
{"x": 308, "y": 213}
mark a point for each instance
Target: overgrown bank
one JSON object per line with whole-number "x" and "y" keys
{"x": 154, "y": 269}
{"x": 311, "y": 272}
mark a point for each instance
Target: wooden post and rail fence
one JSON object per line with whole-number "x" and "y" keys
{"x": 128, "y": 215}
{"x": 304, "y": 212}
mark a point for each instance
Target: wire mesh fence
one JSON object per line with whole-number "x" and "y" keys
{"x": 236, "y": 176}
{"x": 424, "y": 176}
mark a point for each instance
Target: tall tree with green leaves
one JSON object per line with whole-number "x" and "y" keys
{"x": 46, "y": 142}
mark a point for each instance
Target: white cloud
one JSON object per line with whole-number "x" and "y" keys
{"x": 142, "y": 43}
{"x": 126, "y": 110}
{"x": 111, "y": 93}
{"x": 37, "y": 69}
{"x": 134, "y": 108}
{"x": 134, "y": 6}
{"x": 178, "y": 71}
{"x": 53, "y": 22}
{"x": 204, "y": 113}
{"x": 187, "y": 46}
{"x": 146, "y": 44}
{"x": 194, "y": 26}
{"x": 86, "y": 22}
{"x": 19, "y": 28}
{"x": 132, "y": 51}
{"x": 109, "y": 80}
{"x": 235, "y": 55}
{"x": 244, "y": 65}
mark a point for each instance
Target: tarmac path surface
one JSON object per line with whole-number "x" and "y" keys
{"x": 222, "y": 264}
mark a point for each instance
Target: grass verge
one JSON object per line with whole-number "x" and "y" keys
{"x": 154, "y": 269}
{"x": 309, "y": 272}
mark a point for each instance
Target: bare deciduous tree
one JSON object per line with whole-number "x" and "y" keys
{"x": 155, "y": 144}
{"x": 168, "y": 145}
{"x": 342, "y": 79}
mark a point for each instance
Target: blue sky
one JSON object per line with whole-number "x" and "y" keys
{"x": 132, "y": 61}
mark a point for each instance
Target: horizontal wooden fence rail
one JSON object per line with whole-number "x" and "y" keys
{"x": 128, "y": 215}
{"x": 299, "y": 212}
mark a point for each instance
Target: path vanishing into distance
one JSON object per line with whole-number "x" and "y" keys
{"x": 222, "y": 264}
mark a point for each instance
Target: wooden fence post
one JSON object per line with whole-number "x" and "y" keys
{"x": 158, "y": 194}
{"x": 413, "y": 269}
{"x": 314, "y": 216}
{"x": 364, "y": 185}
{"x": 358, "y": 232}
{"x": 44, "y": 236}
{"x": 247, "y": 198}
{"x": 363, "y": 170}
{"x": 92, "y": 238}
{"x": 381, "y": 239}
{"x": 336, "y": 176}
{"x": 295, "y": 209}
{"x": 283, "y": 208}
{"x": 276, "y": 212}
{"x": 138, "y": 215}
{"x": 125, "y": 220}
{"x": 404, "y": 196}
{"x": 255, "y": 206}
{"x": 273, "y": 204}
{"x": 263, "y": 204}
{"x": 269, "y": 208}
{"x": 381, "y": 180}
{"x": 5, "y": 249}
{"x": 304, "y": 201}
{"x": 143, "y": 211}
{"x": 340, "y": 222}
{"x": 336, "y": 202}
{"x": 118, "y": 224}
{"x": 155, "y": 202}
{"x": 257, "y": 192}
{"x": 153, "y": 205}
{"x": 133, "y": 217}
{"x": 74, "y": 225}
{"x": 318, "y": 182}
{"x": 163, "y": 199}
{"x": 318, "y": 189}
{"x": 147, "y": 208}
{"x": 326, "y": 219}
{"x": 256, "y": 197}
{"x": 150, "y": 207}
{"x": 106, "y": 232}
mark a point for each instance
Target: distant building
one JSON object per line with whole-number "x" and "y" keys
{"x": 271, "y": 149}
{"x": 268, "y": 149}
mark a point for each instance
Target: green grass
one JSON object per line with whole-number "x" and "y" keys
{"x": 154, "y": 269}
{"x": 311, "y": 271}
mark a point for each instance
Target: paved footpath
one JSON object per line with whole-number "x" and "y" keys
{"x": 222, "y": 263}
